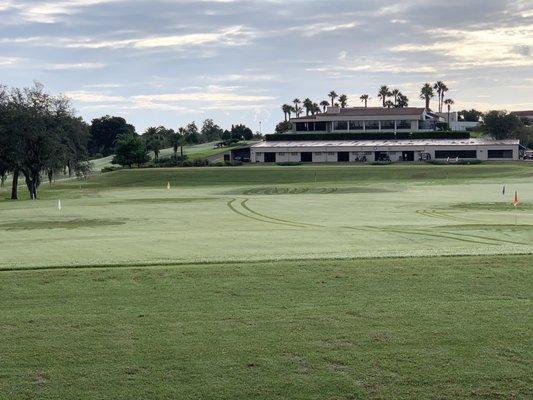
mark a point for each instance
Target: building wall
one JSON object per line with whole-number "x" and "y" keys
{"x": 329, "y": 154}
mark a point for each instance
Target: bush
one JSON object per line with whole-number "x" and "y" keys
{"x": 381, "y": 162}
{"x": 289, "y": 163}
{"x": 110, "y": 169}
{"x": 200, "y": 162}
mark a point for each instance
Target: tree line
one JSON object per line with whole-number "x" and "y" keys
{"x": 41, "y": 136}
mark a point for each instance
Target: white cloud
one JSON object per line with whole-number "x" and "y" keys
{"x": 73, "y": 66}
{"x": 8, "y": 61}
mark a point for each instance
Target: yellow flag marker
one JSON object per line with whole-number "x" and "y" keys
{"x": 516, "y": 202}
{"x": 168, "y": 185}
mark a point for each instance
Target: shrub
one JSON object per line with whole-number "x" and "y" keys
{"x": 110, "y": 169}
{"x": 289, "y": 163}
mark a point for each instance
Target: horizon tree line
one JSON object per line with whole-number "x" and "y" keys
{"x": 389, "y": 98}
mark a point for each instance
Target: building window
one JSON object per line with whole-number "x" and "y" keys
{"x": 294, "y": 154}
{"x": 331, "y": 153}
{"x": 455, "y": 153}
{"x": 403, "y": 124}
{"x": 318, "y": 154}
{"x": 387, "y": 125}
{"x": 258, "y": 154}
{"x": 500, "y": 154}
{"x": 340, "y": 125}
{"x": 356, "y": 125}
{"x": 371, "y": 124}
{"x": 320, "y": 126}
{"x": 281, "y": 154}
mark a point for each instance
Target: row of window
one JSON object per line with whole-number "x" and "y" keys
{"x": 438, "y": 153}
{"x": 353, "y": 125}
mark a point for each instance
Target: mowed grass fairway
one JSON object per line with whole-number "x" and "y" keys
{"x": 308, "y": 282}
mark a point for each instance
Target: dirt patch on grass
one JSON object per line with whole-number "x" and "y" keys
{"x": 61, "y": 223}
{"x": 40, "y": 378}
{"x": 280, "y": 190}
{"x": 162, "y": 200}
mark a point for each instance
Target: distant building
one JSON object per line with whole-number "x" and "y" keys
{"x": 456, "y": 124}
{"x": 377, "y": 134}
{"x": 528, "y": 114}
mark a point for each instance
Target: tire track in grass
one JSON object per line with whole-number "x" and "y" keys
{"x": 302, "y": 224}
{"x": 235, "y": 210}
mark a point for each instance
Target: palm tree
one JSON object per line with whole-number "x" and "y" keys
{"x": 286, "y": 110}
{"x": 395, "y": 93}
{"x": 383, "y": 93}
{"x": 324, "y": 104}
{"x": 292, "y": 110}
{"x": 343, "y": 99}
{"x": 296, "y": 107}
{"x": 364, "y": 98}
{"x": 315, "y": 109}
{"x": 441, "y": 88}
{"x": 448, "y": 103}
{"x": 388, "y": 104}
{"x": 333, "y": 95}
{"x": 308, "y": 105}
{"x": 402, "y": 102}
{"x": 426, "y": 93}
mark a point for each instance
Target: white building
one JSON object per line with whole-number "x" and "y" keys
{"x": 376, "y": 134}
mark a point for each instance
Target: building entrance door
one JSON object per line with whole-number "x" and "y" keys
{"x": 270, "y": 157}
{"x": 306, "y": 156}
{"x": 381, "y": 156}
{"x": 408, "y": 155}
{"x": 343, "y": 156}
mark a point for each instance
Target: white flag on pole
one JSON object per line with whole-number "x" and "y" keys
{"x": 59, "y": 207}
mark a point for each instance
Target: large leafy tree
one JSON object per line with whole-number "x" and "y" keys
{"x": 210, "y": 131}
{"x": 472, "y": 115}
{"x": 191, "y": 134}
{"x": 155, "y": 139}
{"x": 500, "y": 125}
{"x": 241, "y": 132}
{"x": 130, "y": 150}
{"x": 401, "y": 100}
{"x": 104, "y": 133}
{"x": 426, "y": 93}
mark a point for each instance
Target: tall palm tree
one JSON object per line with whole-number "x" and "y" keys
{"x": 426, "y": 93}
{"x": 315, "y": 109}
{"x": 324, "y": 104}
{"x": 308, "y": 105}
{"x": 333, "y": 95}
{"x": 296, "y": 103}
{"x": 402, "y": 101}
{"x": 292, "y": 110}
{"x": 441, "y": 88}
{"x": 343, "y": 100}
{"x": 286, "y": 108}
{"x": 383, "y": 93}
{"x": 394, "y": 93}
{"x": 449, "y": 103}
{"x": 364, "y": 98}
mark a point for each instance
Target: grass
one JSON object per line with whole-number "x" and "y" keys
{"x": 423, "y": 328}
{"x": 307, "y": 282}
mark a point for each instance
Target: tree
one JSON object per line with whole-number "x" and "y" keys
{"x": 104, "y": 133}
{"x": 241, "y": 132}
{"x": 343, "y": 100}
{"x": 383, "y": 93}
{"x": 190, "y": 133}
{"x": 402, "y": 100}
{"x": 210, "y": 131}
{"x": 441, "y": 89}
{"x": 283, "y": 127}
{"x": 389, "y": 104}
{"x": 394, "y": 93}
{"x": 449, "y": 103}
{"x": 364, "y": 99}
{"x": 315, "y": 109}
{"x": 130, "y": 150}
{"x": 426, "y": 93}
{"x": 286, "y": 111}
{"x": 155, "y": 139}
{"x": 292, "y": 110}
{"x": 176, "y": 139}
{"x": 500, "y": 124}
{"x": 470, "y": 115}
{"x": 333, "y": 95}
{"x": 297, "y": 108}
{"x": 324, "y": 104}
{"x": 308, "y": 105}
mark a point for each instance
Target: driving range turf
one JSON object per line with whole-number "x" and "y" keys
{"x": 307, "y": 282}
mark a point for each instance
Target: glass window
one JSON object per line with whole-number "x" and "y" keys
{"x": 318, "y": 154}
{"x": 281, "y": 154}
{"x": 403, "y": 124}
{"x": 500, "y": 154}
{"x": 340, "y": 125}
{"x": 371, "y": 124}
{"x": 356, "y": 125}
{"x": 301, "y": 127}
{"x": 387, "y": 125}
{"x": 455, "y": 153}
{"x": 320, "y": 126}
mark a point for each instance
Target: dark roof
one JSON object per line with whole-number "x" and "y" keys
{"x": 527, "y": 113}
{"x": 368, "y": 112}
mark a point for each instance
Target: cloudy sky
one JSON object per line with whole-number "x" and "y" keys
{"x": 174, "y": 61}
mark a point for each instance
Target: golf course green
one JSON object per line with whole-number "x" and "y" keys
{"x": 271, "y": 282}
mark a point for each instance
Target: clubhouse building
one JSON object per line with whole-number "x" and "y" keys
{"x": 377, "y": 134}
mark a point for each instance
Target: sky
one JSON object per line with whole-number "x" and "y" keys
{"x": 170, "y": 62}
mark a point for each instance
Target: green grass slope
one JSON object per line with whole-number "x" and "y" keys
{"x": 426, "y": 328}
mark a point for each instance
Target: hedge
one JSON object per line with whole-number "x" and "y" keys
{"x": 367, "y": 136}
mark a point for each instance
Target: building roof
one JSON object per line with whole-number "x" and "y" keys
{"x": 365, "y": 112}
{"x": 377, "y": 143}
{"x": 527, "y": 113}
